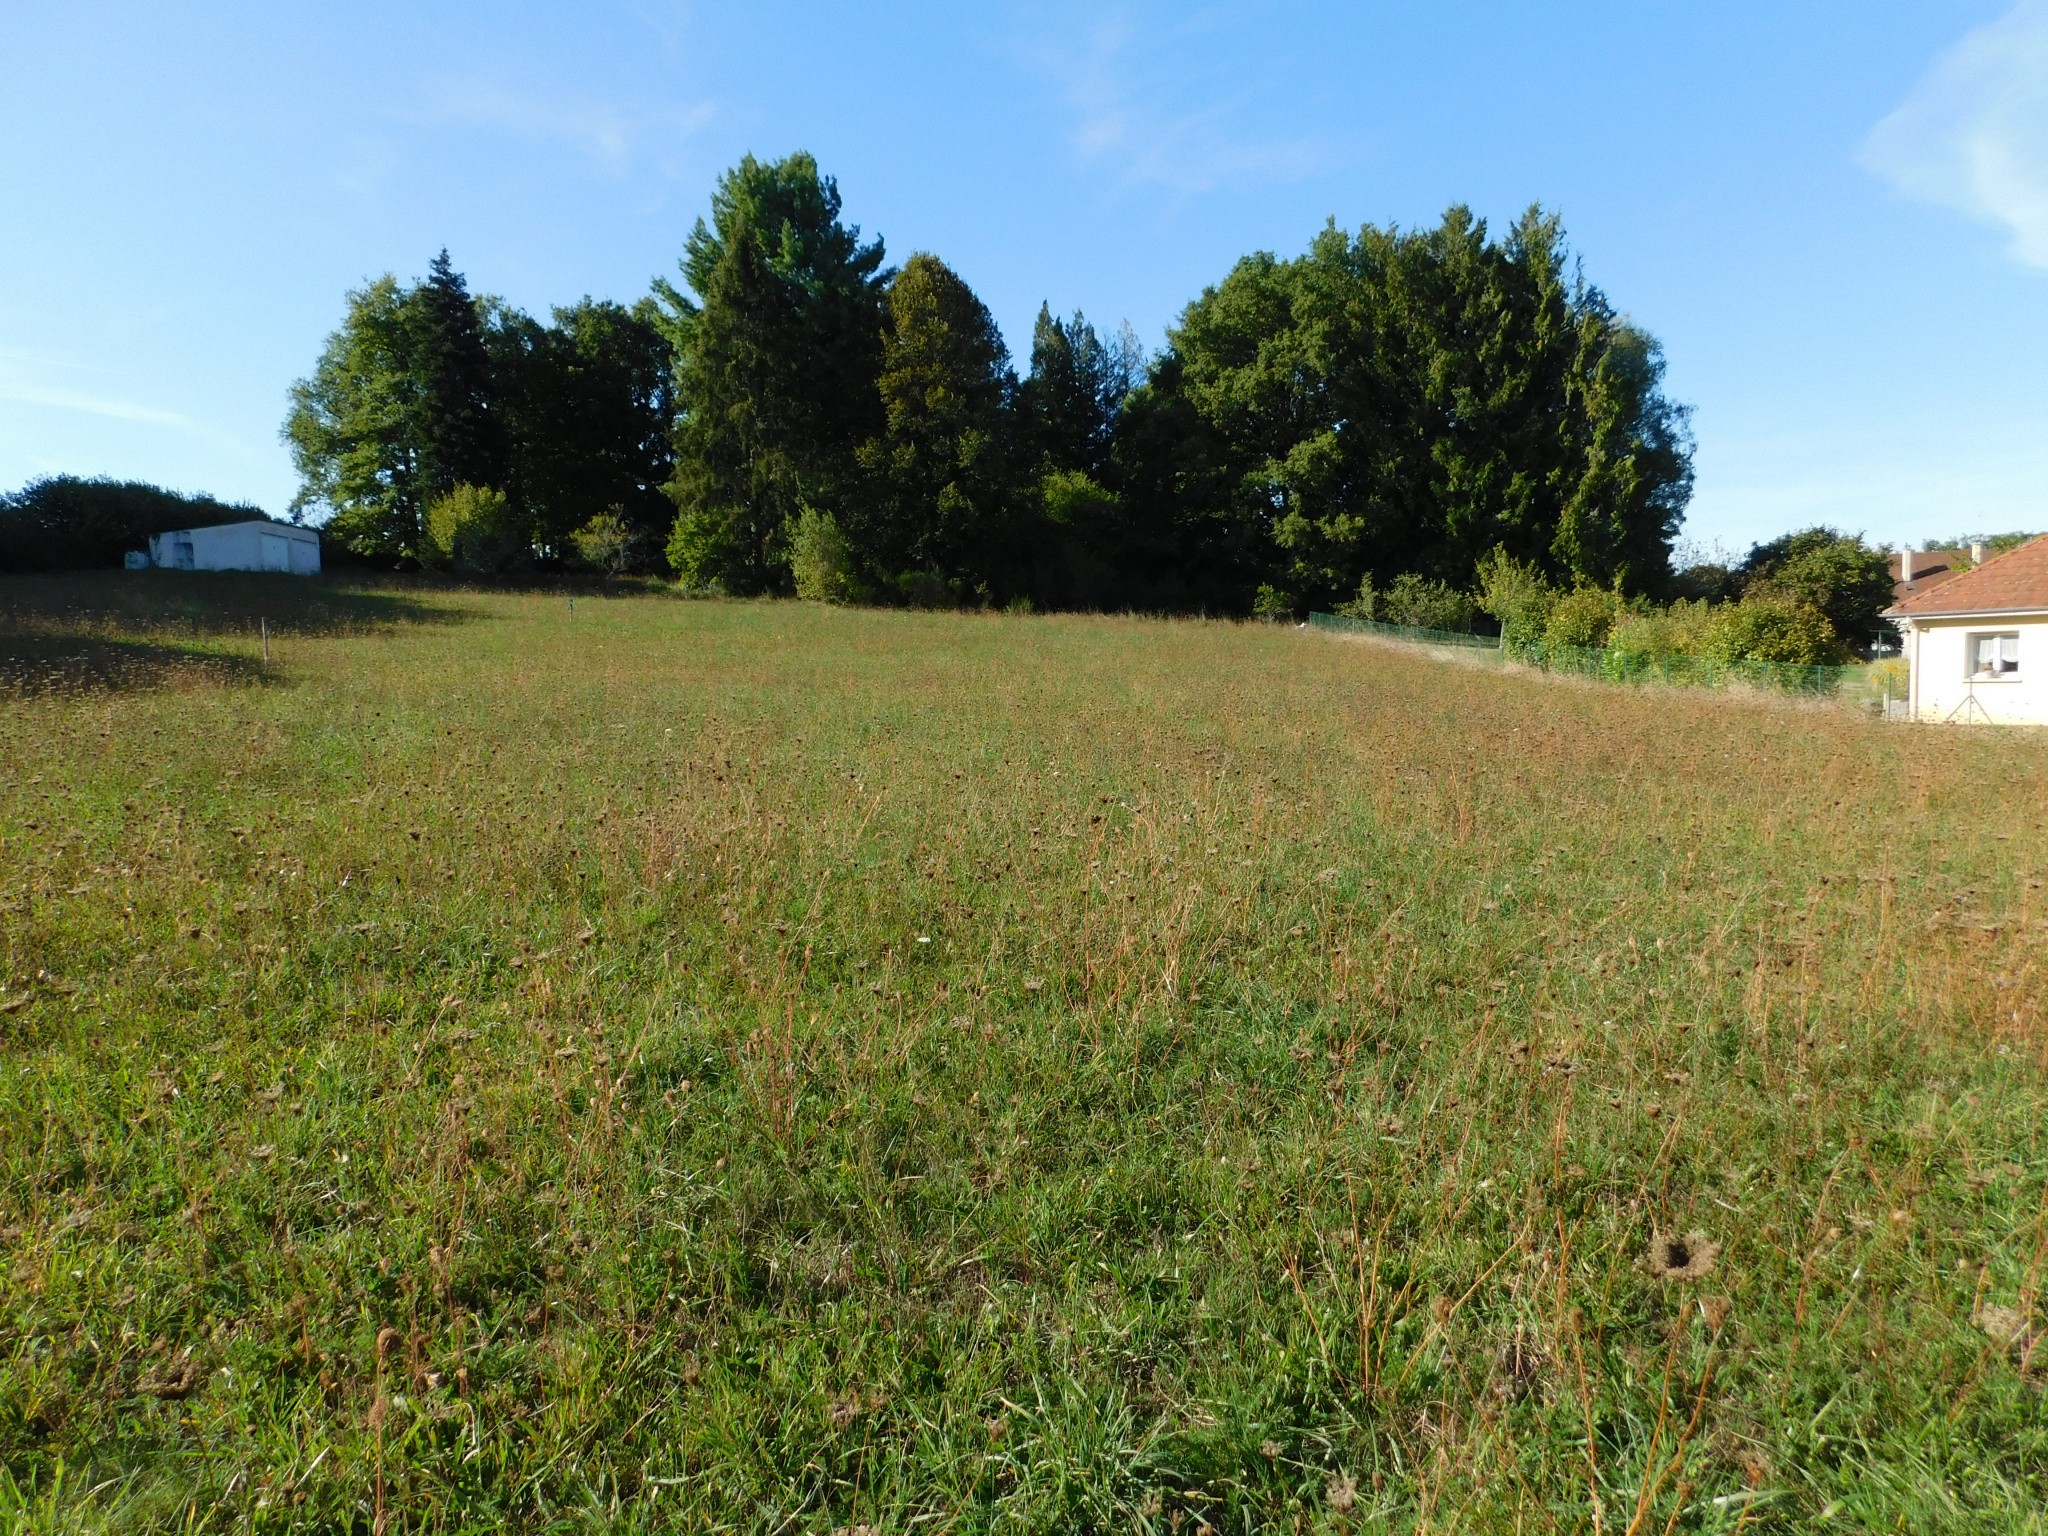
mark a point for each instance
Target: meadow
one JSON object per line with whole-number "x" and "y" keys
{"x": 716, "y": 1066}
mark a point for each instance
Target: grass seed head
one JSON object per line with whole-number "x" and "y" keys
{"x": 1341, "y": 1492}
{"x": 2008, "y": 1327}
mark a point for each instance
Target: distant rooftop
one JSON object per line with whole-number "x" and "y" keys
{"x": 2014, "y": 582}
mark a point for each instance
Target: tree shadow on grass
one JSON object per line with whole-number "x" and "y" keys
{"x": 38, "y": 664}
{"x": 127, "y": 631}
{"x": 212, "y": 604}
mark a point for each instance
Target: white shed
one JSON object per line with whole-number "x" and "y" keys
{"x": 1977, "y": 644}
{"x": 252, "y": 546}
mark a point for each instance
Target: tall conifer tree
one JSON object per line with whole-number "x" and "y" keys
{"x": 397, "y": 412}
{"x": 459, "y": 440}
{"x": 777, "y": 355}
{"x": 1068, "y": 405}
{"x": 940, "y": 464}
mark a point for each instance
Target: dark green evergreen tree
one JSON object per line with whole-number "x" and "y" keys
{"x": 586, "y": 410}
{"x": 940, "y": 473}
{"x": 397, "y": 412}
{"x": 777, "y": 357}
{"x": 1068, "y": 405}
{"x": 1186, "y": 539}
{"x": 458, "y": 437}
{"x": 1407, "y": 401}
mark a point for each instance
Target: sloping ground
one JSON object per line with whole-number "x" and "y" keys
{"x": 759, "y": 1067}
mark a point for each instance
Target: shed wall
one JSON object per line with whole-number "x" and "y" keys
{"x": 239, "y": 547}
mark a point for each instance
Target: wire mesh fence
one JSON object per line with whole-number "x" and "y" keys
{"x": 1879, "y": 688}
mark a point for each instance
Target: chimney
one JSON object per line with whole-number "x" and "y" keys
{"x": 1976, "y": 551}
{"x": 1906, "y": 564}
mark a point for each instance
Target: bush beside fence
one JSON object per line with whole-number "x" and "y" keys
{"x": 1859, "y": 686}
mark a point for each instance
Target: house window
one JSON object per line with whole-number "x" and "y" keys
{"x": 1994, "y": 655}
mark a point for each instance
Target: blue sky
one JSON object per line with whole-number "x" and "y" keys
{"x": 1834, "y": 215}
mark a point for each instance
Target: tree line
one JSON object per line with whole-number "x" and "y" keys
{"x": 798, "y": 416}
{"x": 74, "y": 523}
{"x": 425, "y": 391}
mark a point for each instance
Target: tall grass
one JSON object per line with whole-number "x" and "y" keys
{"x": 774, "y": 1068}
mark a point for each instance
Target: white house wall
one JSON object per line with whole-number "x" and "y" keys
{"x": 1938, "y": 652}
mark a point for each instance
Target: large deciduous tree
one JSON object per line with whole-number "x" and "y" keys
{"x": 1391, "y": 403}
{"x": 397, "y": 412}
{"x": 353, "y": 430}
{"x": 1837, "y": 574}
{"x": 778, "y": 347}
{"x": 425, "y": 388}
{"x": 587, "y": 407}
{"x": 1407, "y": 401}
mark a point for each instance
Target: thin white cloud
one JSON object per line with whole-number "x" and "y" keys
{"x": 1973, "y": 135}
{"x": 116, "y": 410}
{"x": 1114, "y": 76}
{"x": 608, "y": 136}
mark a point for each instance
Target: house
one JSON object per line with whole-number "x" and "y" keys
{"x": 1977, "y": 642}
{"x": 1916, "y": 570}
{"x": 254, "y": 546}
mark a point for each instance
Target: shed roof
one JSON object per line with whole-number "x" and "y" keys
{"x": 2014, "y": 582}
{"x": 268, "y": 525}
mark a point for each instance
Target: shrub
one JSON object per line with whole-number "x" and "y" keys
{"x": 607, "y": 542}
{"x": 64, "y": 523}
{"x": 821, "y": 560}
{"x": 1894, "y": 676}
{"x": 1583, "y": 618}
{"x": 1839, "y": 577}
{"x": 474, "y": 530}
{"x": 1652, "y": 634}
{"x": 1420, "y": 603}
{"x": 1074, "y": 500}
{"x": 1364, "y": 606}
{"x": 1774, "y": 626}
{"x": 1272, "y": 603}
{"x": 1517, "y": 596}
{"x": 1414, "y": 602}
{"x": 926, "y": 589}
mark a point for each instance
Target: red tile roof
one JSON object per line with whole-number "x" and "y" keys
{"x": 1931, "y": 567}
{"x": 2014, "y": 582}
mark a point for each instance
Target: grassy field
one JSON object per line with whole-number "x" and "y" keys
{"x": 757, "y": 1067}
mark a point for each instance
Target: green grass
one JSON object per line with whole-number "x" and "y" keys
{"x": 757, "y": 1067}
